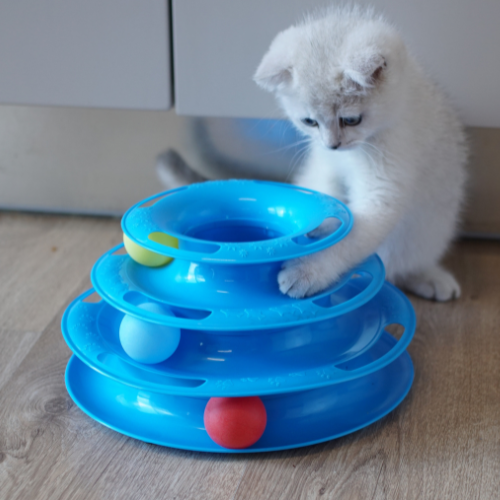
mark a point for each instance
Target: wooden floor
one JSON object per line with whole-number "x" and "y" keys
{"x": 443, "y": 442}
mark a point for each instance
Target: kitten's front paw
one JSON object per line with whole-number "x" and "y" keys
{"x": 433, "y": 284}
{"x": 298, "y": 278}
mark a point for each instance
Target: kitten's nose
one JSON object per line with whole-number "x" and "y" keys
{"x": 335, "y": 146}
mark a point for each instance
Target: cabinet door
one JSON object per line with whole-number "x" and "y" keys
{"x": 219, "y": 43}
{"x": 95, "y": 53}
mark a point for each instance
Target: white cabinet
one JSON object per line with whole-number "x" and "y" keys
{"x": 92, "y": 53}
{"x": 116, "y": 53}
{"x": 219, "y": 43}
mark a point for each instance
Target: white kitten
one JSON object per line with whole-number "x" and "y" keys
{"x": 383, "y": 139}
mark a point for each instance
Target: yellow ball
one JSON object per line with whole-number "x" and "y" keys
{"x": 146, "y": 257}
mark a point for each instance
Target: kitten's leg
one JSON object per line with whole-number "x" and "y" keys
{"x": 174, "y": 172}
{"x": 327, "y": 182}
{"x": 376, "y": 212}
{"x": 434, "y": 283}
{"x": 313, "y": 273}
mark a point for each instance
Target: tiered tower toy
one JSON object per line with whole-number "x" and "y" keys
{"x": 193, "y": 346}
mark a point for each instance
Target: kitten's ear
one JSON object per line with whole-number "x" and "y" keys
{"x": 275, "y": 69}
{"x": 366, "y": 72}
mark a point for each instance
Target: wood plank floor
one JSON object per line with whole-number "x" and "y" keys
{"x": 442, "y": 443}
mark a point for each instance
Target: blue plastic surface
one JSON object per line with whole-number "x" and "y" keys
{"x": 237, "y": 221}
{"x": 243, "y": 363}
{"x": 323, "y": 366}
{"x": 294, "y": 419}
{"x": 213, "y": 297}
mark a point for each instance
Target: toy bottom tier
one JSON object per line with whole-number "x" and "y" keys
{"x": 294, "y": 419}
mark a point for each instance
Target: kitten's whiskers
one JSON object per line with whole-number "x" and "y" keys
{"x": 370, "y": 150}
{"x": 289, "y": 146}
{"x": 297, "y": 159}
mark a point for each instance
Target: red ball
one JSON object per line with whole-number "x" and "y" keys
{"x": 235, "y": 423}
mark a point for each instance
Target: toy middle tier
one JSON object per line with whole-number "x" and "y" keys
{"x": 228, "y": 241}
{"x": 234, "y": 332}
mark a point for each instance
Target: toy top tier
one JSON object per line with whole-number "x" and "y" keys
{"x": 236, "y": 222}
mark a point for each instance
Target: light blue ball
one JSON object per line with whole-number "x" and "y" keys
{"x": 148, "y": 342}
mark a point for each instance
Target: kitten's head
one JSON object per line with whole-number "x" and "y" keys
{"x": 337, "y": 77}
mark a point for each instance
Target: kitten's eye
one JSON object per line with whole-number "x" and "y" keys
{"x": 350, "y": 121}
{"x": 309, "y": 122}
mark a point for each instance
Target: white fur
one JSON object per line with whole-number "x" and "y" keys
{"x": 401, "y": 170}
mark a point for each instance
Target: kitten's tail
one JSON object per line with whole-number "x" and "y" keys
{"x": 174, "y": 172}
